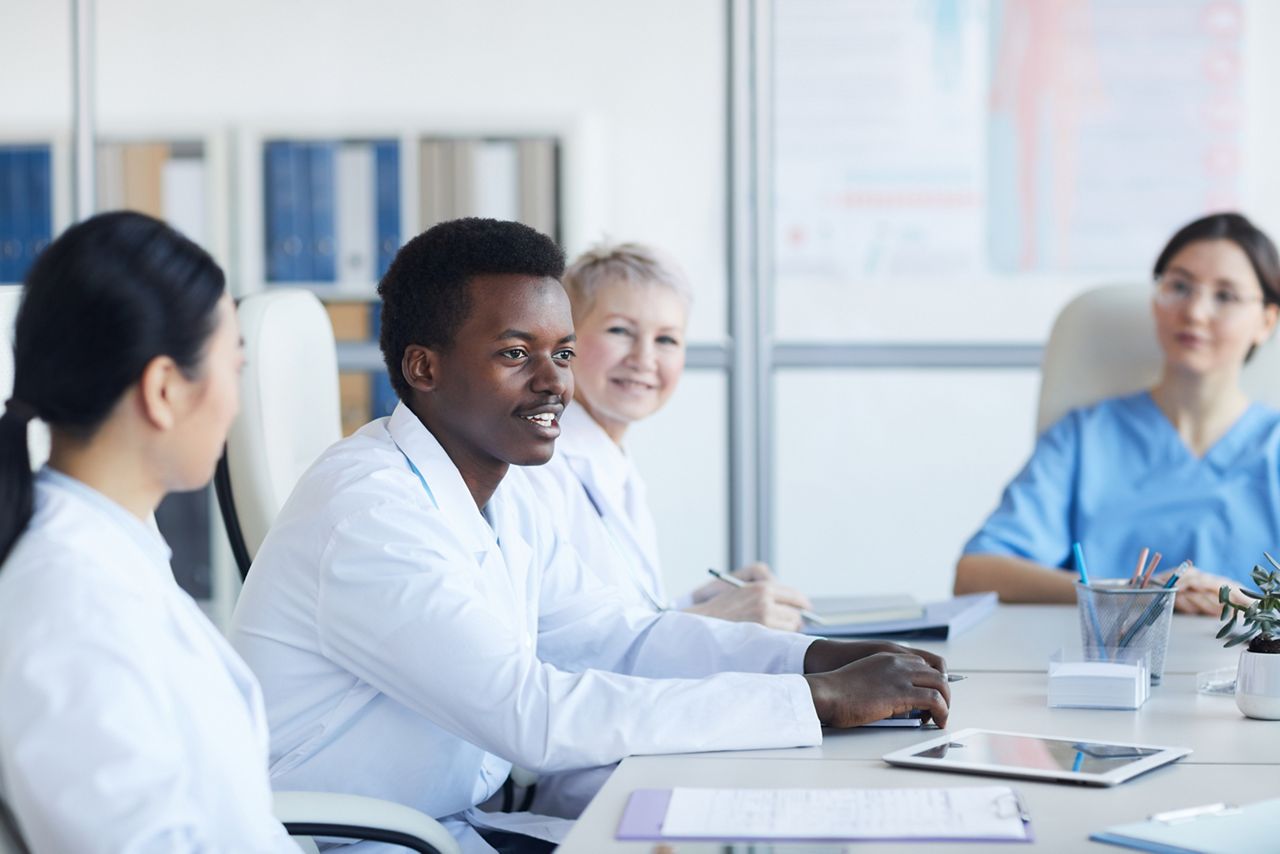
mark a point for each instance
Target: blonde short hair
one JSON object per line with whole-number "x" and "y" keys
{"x": 608, "y": 263}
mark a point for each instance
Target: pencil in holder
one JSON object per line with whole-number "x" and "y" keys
{"x": 1115, "y": 615}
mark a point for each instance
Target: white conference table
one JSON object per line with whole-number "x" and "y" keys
{"x": 1005, "y": 659}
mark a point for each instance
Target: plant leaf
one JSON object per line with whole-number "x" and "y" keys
{"x": 1271, "y": 560}
{"x": 1241, "y": 638}
{"x": 1226, "y": 630}
{"x": 1246, "y": 591}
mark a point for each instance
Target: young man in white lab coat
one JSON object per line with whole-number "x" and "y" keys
{"x": 418, "y": 623}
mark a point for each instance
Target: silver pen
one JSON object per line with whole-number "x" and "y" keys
{"x": 738, "y": 582}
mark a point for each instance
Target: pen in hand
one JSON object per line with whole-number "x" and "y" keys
{"x": 809, "y": 616}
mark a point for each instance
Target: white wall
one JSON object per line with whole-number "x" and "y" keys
{"x": 646, "y": 78}
{"x": 883, "y": 475}
{"x": 643, "y": 81}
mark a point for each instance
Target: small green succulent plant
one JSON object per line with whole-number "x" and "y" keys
{"x": 1261, "y": 617}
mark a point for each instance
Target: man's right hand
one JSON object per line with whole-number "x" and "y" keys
{"x": 877, "y": 687}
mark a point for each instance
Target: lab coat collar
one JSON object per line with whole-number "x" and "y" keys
{"x": 441, "y": 480}
{"x": 146, "y": 537}
{"x": 592, "y": 455}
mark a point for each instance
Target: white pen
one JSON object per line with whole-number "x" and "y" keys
{"x": 738, "y": 582}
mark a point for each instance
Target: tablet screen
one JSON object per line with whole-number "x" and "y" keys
{"x": 1036, "y": 753}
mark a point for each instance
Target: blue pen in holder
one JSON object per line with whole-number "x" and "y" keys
{"x": 1114, "y": 615}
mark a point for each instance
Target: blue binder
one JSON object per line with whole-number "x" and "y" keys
{"x": 384, "y": 396}
{"x": 284, "y": 239}
{"x": 26, "y": 207}
{"x": 322, "y": 238}
{"x": 387, "y": 167}
{"x": 40, "y": 212}
{"x": 9, "y": 201}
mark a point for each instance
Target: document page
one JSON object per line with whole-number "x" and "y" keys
{"x": 977, "y": 812}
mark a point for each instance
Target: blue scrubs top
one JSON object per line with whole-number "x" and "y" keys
{"x": 1117, "y": 477}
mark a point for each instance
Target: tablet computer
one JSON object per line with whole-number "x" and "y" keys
{"x": 1037, "y": 757}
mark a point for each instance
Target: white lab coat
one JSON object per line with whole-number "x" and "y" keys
{"x": 594, "y": 487}
{"x": 411, "y": 648}
{"x": 127, "y": 723}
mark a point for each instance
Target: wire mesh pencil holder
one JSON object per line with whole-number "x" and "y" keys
{"x": 1126, "y": 617}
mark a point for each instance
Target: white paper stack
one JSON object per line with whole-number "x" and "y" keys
{"x": 1098, "y": 684}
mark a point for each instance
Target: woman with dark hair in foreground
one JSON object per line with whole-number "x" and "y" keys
{"x": 128, "y": 723}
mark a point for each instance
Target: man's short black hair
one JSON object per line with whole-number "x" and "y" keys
{"x": 424, "y": 293}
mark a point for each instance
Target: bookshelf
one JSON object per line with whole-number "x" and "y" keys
{"x": 325, "y": 209}
{"x": 179, "y": 175}
{"x": 35, "y": 196}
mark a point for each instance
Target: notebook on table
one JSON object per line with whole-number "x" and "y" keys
{"x": 1212, "y": 829}
{"x": 941, "y": 620}
{"x": 845, "y": 610}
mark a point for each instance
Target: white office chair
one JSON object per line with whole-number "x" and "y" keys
{"x": 1103, "y": 344}
{"x": 11, "y": 841}
{"x": 289, "y": 412}
{"x": 307, "y": 814}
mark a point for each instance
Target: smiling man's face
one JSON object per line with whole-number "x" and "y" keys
{"x": 499, "y": 388}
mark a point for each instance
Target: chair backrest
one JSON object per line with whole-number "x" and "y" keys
{"x": 289, "y": 410}
{"x": 11, "y": 841}
{"x": 38, "y": 433}
{"x": 1103, "y": 344}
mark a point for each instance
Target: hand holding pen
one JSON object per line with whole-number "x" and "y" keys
{"x": 766, "y": 602}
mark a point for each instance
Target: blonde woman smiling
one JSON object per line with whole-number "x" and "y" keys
{"x": 630, "y": 308}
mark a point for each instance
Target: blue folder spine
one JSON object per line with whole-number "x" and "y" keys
{"x": 387, "y": 165}
{"x": 323, "y": 256}
{"x": 9, "y": 200}
{"x": 26, "y": 207}
{"x": 384, "y": 396}
{"x": 284, "y": 238}
{"x": 40, "y": 186}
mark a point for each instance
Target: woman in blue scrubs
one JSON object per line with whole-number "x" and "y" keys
{"x": 1189, "y": 468}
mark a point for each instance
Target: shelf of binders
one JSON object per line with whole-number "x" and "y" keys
{"x": 336, "y": 209}
{"x": 34, "y": 199}
{"x": 180, "y": 178}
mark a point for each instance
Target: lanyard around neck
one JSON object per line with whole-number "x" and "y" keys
{"x": 634, "y": 572}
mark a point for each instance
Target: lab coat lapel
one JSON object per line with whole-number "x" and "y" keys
{"x": 442, "y": 481}
{"x": 501, "y": 553}
{"x": 517, "y": 557}
{"x": 603, "y": 471}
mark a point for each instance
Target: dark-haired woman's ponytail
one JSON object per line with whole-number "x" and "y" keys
{"x": 106, "y": 297}
{"x": 16, "y": 481}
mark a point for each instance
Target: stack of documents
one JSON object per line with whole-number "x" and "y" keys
{"x": 846, "y": 610}
{"x": 985, "y": 813}
{"x": 939, "y": 620}
{"x": 1098, "y": 684}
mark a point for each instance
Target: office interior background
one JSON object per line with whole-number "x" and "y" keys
{"x": 881, "y": 204}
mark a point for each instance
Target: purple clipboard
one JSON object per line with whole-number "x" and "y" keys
{"x": 647, "y": 809}
{"x": 642, "y": 819}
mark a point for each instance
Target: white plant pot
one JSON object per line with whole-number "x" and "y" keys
{"x": 1258, "y": 685}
